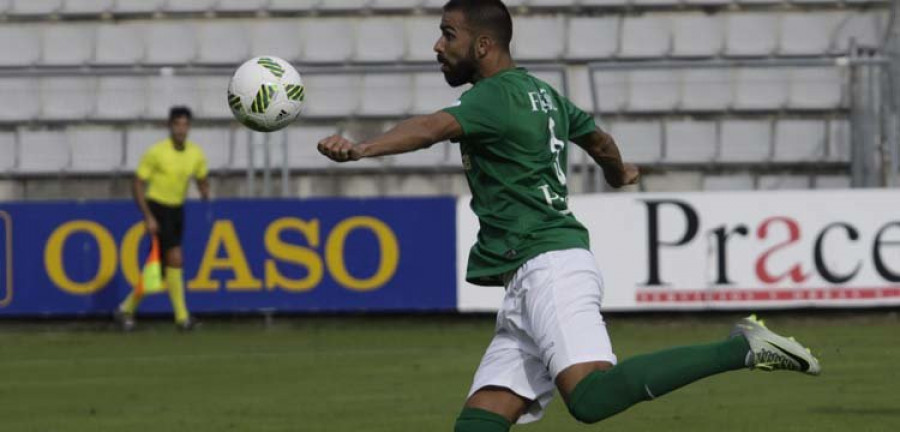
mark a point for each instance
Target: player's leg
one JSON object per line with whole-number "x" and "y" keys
{"x": 491, "y": 409}
{"x": 170, "y": 242}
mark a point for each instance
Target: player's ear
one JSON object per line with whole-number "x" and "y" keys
{"x": 483, "y": 45}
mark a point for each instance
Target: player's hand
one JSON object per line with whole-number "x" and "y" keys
{"x": 339, "y": 149}
{"x": 151, "y": 225}
{"x": 631, "y": 174}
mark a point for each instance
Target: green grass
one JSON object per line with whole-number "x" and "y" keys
{"x": 409, "y": 374}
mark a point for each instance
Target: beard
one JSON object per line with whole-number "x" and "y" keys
{"x": 462, "y": 72}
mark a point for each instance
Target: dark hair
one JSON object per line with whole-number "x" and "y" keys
{"x": 490, "y": 16}
{"x": 180, "y": 111}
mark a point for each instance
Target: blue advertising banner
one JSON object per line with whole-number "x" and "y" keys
{"x": 334, "y": 255}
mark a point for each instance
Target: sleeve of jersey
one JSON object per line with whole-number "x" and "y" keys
{"x": 481, "y": 111}
{"x": 146, "y": 165}
{"x": 580, "y": 123}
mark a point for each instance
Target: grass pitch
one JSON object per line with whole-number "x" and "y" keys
{"x": 410, "y": 374}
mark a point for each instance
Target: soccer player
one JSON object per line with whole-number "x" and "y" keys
{"x": 160, "y": 188}
{"x": 512, "y": 129}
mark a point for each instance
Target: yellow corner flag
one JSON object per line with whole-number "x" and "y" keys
{"x": 151, "y": 281}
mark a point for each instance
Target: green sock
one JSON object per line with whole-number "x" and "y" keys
{"x": 479, "y": 420}
{"x": 603, "y": 394}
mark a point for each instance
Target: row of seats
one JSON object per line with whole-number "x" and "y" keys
{"x": 382, "y": 39}
{"x": 95, "y": 149}
{"x": 28, "y": 8}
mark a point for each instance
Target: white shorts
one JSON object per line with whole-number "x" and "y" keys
{"x": 550, "y": 320}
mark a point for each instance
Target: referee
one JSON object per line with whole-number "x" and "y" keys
{"x": 160, "y": 188}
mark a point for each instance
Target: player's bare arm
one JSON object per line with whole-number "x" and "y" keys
{"x": 410, "y": 135}
{"x": 203, "y": 187}
{"x": 138, "y": 188}
{"x": 603, "y": 149}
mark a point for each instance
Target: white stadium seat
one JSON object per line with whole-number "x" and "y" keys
{"x": 241, "y": 5}
{"x": 5, "y": 5}
{"x": 690, "y": 141}
{"x": 761, "y": 89}
{"x": 291, "y": 5}
{"x": 43, "y": 151}
{"x": 386, "y": 95}
{"x": 783, "y": 182}
{"x": 34, "y": 7}
{"x": 707, "y": 2}
{"x": 745, "y": 141}
{"x": 96, "y": 149}
{"x": 20, "y": 45}
{"x": 800, "y": 140}
{"x": 655, "y": 90}
{"x": 808, "y": 33}
{"x": 436, "y": 156}
{"x": 327, "y": 40}
{"x": 832, "y": 182}
{"x": 138, "y": 6}
{"x": 605, "y": 2}
{"x": 394, "y": 4}
{"x": 21, "y": 99}
{"x": 867, "y": 29}
{"x": 552, "y": 77}
{"x": 431, "y": 93}
{"x": 223, "y": 42}
{"x": 538, "y": 38}
{"x": 211, "y": 94}
{"x": 138, "y": 140}
{"x": 164, "y": 92}
{"x": 331, "y": 95}
{"x": 647, "y": 36}
{"x": 706, "y": 89}
{"x": 342, "y": 5}
{"x": 578, "y": 79}
{"x": 302, "y": 151}
{"x": 839, "y": 140}
{"x": 656, "y": 2}
{"x": 8, "y": 151}
{"x": 751, "y": 34}
{"x": 67, "y": 98}
{"x": 422, "y": 32}
{"x": 193, "y": 6}
{"x": 549, "y": 3}
{"x": 698, "y": 35}
{"x": 736, "y": 182}
{"x": 592, "y": 38}
{"x": 85, "y": 7}
{"x": 277, "y": 37}
{"x": 612, "y": 90}
{"x": 170, "y": 43}
{"x": 380, "y": 40}
{"x": 120, "y": 98}
{"x": 817, "y": 88}
{"x": 216, "y": 145}
{"x": 640, "y": 141}
{"x": 118, "y": 44}
{"x": 67, "y": 44}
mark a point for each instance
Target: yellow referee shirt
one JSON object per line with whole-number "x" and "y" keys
{"x": 168, "y": 171}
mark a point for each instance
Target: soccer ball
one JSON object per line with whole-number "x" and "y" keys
{"x": 266, "y": 94}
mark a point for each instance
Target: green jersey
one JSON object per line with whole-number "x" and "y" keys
{"x": 515, "y": 130}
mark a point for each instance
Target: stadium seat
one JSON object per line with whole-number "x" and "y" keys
{"x": 277, "y": 37}
{"x": 550, "y": 3}
{"x": 67, "y": 44}
{"x": 241, "y": 5}
{"x": 138, "y": 140}
{"x": 655, "y": 90}
{"x": 118, "y": 44}
{"x": 331, "y": 95}
{"x": 20, "y": 101}
{"x": 605, "y": 2}
{"x": 706, "y": 89}
{"x": 697, "y": 35}
{"x": 211, "y": 93}
{"x": 138, "y": 6}
{"x": 223, "y": 42}
{"x": 592, "y": 38}
{"x": 612, "y": 90}
{"x": 327, "y": 40}
{"x": 394, "y": 4}
{"x": 170, "y": 43}
{"x": 20, "y": 45}
{"x": 86, "y": 7}
{"x": 302, "y": 150}
{"x": 832, "y": 182}
{"x": 379, "y": 40}
{"x": 433, "y": 157}
{"x": 538, "y": 38}
{"x": 745, "y": 141}
{"x": 431, "y": 93}
{"x": 866, "y": 29}
{"x": 163, "y": 92}
{"x": 67, "y": 98}
{"x": 640, "y": 141}
{"x": 191, "y": 6}
{"x": 120, "y": 98}
{"x": 656, "y": 2}
{"x": 216, "y": 145}
{"x": 689, "y": 141}
{"x": 96, "y": 149}
{"x": 734, "y": 182}
{"x": 8, "y": 150}
{"x": 421, "y": 34}
{"x": 839, "y": 140}
{"x": 386, "y": 95}
{"x": 552, "y": 77}
{"x": 783, "y": 182}
{"x": 800, "y": 140}
{"x": 43, "y": 151}
{"x": 751, "y": 34}
{"x": 707, "y": 2}
{"x": 579, "y": 82}
{"x": 808, "y": 33}
{"x": 647, "y": 36}
{"x": 34, "y": 7}
{"x": 761, "y": 89}
{"x": 817, "y": 88}
{"x": 5, "y": 5}
{"x": 291, "y": 5}
{"x": 342, "y": 5}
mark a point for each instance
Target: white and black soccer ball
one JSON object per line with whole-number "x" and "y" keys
{"x": 266, "y": 94}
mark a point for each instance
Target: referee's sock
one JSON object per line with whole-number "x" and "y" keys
{"x": 603, "y": 394}
{"x": 175, "y": 284}
{"x": 131, "y": 303}
{"x": 479, "y": 420}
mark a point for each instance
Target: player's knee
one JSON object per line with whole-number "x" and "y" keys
{"x": 584, "y": 414}
{"x": 174, "y": 258}
{"x": 479, "y": 420}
